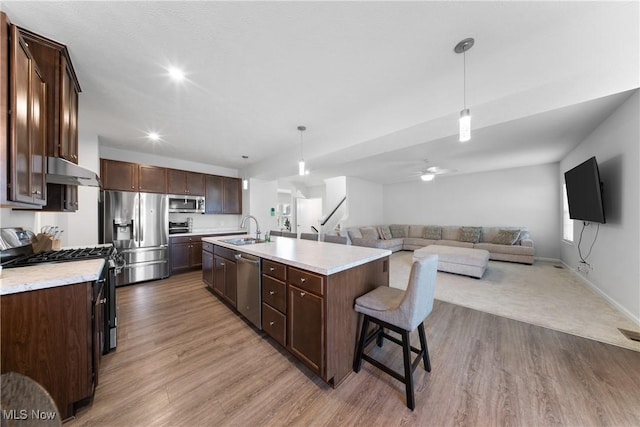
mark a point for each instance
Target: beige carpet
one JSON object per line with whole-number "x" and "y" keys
{"x": 540, "y": 294}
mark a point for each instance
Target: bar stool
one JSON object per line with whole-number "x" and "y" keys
{"x": 335, "y": 239}
{"x": 289, "y": 234}
{"x": 400, "y": 311}
{"x": 275, "y": 233}
{"x": 309, "y": 236}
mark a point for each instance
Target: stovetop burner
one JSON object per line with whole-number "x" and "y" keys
{"x": 64, "y": 255}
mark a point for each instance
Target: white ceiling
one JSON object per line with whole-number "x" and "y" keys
{"x": 376, "y": 83}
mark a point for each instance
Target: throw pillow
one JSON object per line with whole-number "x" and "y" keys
{"x": 369, "y": 233}
{"x": 469, "y": 234}
{"x": 506, "y": 237}
{"x": 398, "y": 231}
{"x": 432, "y": 232}
{"x": 385, "y": 232}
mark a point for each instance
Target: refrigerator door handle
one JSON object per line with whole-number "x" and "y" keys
{"x": 141, "y": 218}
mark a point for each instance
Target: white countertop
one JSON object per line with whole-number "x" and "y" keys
{"x": 319, "y": 257}
{"x": 209, "y": 232}
{"x": 43, "y": 276}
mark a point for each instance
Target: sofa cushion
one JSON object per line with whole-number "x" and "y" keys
{"x": 505, "y": 249}
{"x": 369, "y": 233}
{"x": 418, "y": 241}
{"x": 399, "y": 231}
{"x": 416, "y": 231}
{"x": 450, "y": 232}
{"x": 454, "y": 243}
{"x": 432, "y": 232}
{"x": 469, "y": 234}
{"x": 354, "y": 233}
{"x": 506, "y": 237}
{"x": 385, "y": 232}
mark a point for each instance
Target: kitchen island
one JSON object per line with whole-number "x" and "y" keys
{"x": 307, "y": 292}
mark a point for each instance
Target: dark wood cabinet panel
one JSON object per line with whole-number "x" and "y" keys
{"x": 223, "y": 195}
{"x": 28, "y": 126}
{"x": 185, "y": 182}
{"x": 185, "y": 253}
{"x": 214, "y": 187}
{"x": 274, "y": 324}
{"x": 305, "y": 317}
{"x": 48, "y": 335}
{"x": 207, "y": 266}
{"x": 152, "y": 179}
{"x": 225, "y": 276}
{"x": 219, "y": 265}
{"x": 61, "y": 118}
{"x": 274, "y": 293}
{"x": 232, "y": 200}
{"x": 119, "y": 176}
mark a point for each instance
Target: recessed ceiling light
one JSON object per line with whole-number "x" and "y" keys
{"x": 176, "y": 74}
{"x": 153, "y": 136}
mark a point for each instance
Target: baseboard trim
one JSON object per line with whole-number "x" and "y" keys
{"x": 599, "y": 291}
{"x": 556, "y": 260}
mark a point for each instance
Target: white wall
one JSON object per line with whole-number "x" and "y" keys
{"x": 263, "y": 195}
{"x": 528, "y": 196}
{"x": 616, "y": 253}
{"x": 364, "y": 203}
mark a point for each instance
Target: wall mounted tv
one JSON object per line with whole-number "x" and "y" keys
{"x": 584, "y": 192}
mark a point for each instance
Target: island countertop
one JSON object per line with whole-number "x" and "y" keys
{"x": 318, "y": 257}
{"x": 43, "y": 276}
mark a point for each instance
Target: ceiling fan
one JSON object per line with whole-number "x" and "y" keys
{"x": 429, "y": 173}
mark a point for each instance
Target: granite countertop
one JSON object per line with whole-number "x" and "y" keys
{"x": 319, "y": 257}
{"x": 43, "y": 276}
{"x": 199, "y": 232}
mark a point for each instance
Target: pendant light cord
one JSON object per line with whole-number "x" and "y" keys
{"x": 464, "y": 79}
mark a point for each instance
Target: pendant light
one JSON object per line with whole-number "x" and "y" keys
{"x": 465, "y": 116}
{"x": 301, "y": 170}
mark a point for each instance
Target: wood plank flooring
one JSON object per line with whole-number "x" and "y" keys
{"x": 185, "y": 359}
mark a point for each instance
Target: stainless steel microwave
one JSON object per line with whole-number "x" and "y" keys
{"x": 186, "y": 204}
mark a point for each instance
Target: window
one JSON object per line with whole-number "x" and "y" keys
{"x": 567, "y": 223}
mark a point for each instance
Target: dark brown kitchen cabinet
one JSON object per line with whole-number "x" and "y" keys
{"x": 185, "y": 253}
{"x": 305, "y": 318}
{"x": 25, "y": 158}
{"x": 225, "y": 274}
{"x": 223, "y": 195}
{"x": 62, "y": 89}
{"x": 185, "y": 182}
{"x": 274, "y": 300}
{"x": 207, "y": 264}
{"x": 126, "y": 176}
{"x": 53, "y": 336}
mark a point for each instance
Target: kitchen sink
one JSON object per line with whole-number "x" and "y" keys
{"x": 243, "y": 241}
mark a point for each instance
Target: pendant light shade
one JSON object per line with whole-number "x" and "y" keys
{"x": 301, "y": 169}
{"x": 465, "y": 115}
{"x": 465, "y": 125}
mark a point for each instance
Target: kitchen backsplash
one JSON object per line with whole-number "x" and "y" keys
{"x": 208, "y": 222}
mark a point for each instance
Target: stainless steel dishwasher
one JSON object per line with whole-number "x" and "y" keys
{"x": 249, "y": 290}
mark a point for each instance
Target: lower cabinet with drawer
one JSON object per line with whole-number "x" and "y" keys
{"x": 274, "y": 300}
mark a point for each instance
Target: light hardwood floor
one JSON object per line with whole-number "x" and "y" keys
{"x": 185, "y": 359}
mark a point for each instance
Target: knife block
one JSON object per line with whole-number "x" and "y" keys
{"x": 43, "y": 243}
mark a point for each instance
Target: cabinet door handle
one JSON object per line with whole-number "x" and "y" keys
{"x": 272, "y": 323}
{"x": 272, "y": 292}
{"x": 38, "y": 192}
{"x": 302, "y": 280}
{"x": 103, "y": 300}
{"x": 302, "y": 294}
{"x": 271, "y": 268}
{"x": 222, "y": 264}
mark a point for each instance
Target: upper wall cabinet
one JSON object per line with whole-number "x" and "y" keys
{"x": 185, "y": 182}
{"x": 24, "y": 124}
{"x": 62, "y": 112}
{"x": 223, "y": 196}
{"x": 125, "y": 176}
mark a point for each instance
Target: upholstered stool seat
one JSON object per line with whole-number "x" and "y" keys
{"x": 402, "y": 312}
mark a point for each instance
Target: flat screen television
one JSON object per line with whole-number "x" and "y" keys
{"x": 584, "y": 192}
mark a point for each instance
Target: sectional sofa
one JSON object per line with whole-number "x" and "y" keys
{"x": 512, "y": 244}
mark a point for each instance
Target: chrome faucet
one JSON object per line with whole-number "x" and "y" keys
{"x": 257, "y": 225}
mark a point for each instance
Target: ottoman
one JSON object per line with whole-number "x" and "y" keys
{"x": 466, "y": 261}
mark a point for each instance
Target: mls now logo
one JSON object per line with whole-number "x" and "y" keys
{"x": 24, "y": 414}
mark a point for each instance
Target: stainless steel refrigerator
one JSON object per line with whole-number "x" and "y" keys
{"x": 138, "y": 226}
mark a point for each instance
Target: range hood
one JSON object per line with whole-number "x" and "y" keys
{"x": 61, "y": 171}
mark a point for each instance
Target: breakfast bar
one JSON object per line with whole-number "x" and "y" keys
{"x": 305, "y": 293}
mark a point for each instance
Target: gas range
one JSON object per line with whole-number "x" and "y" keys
{"x": 64, "y": 255}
